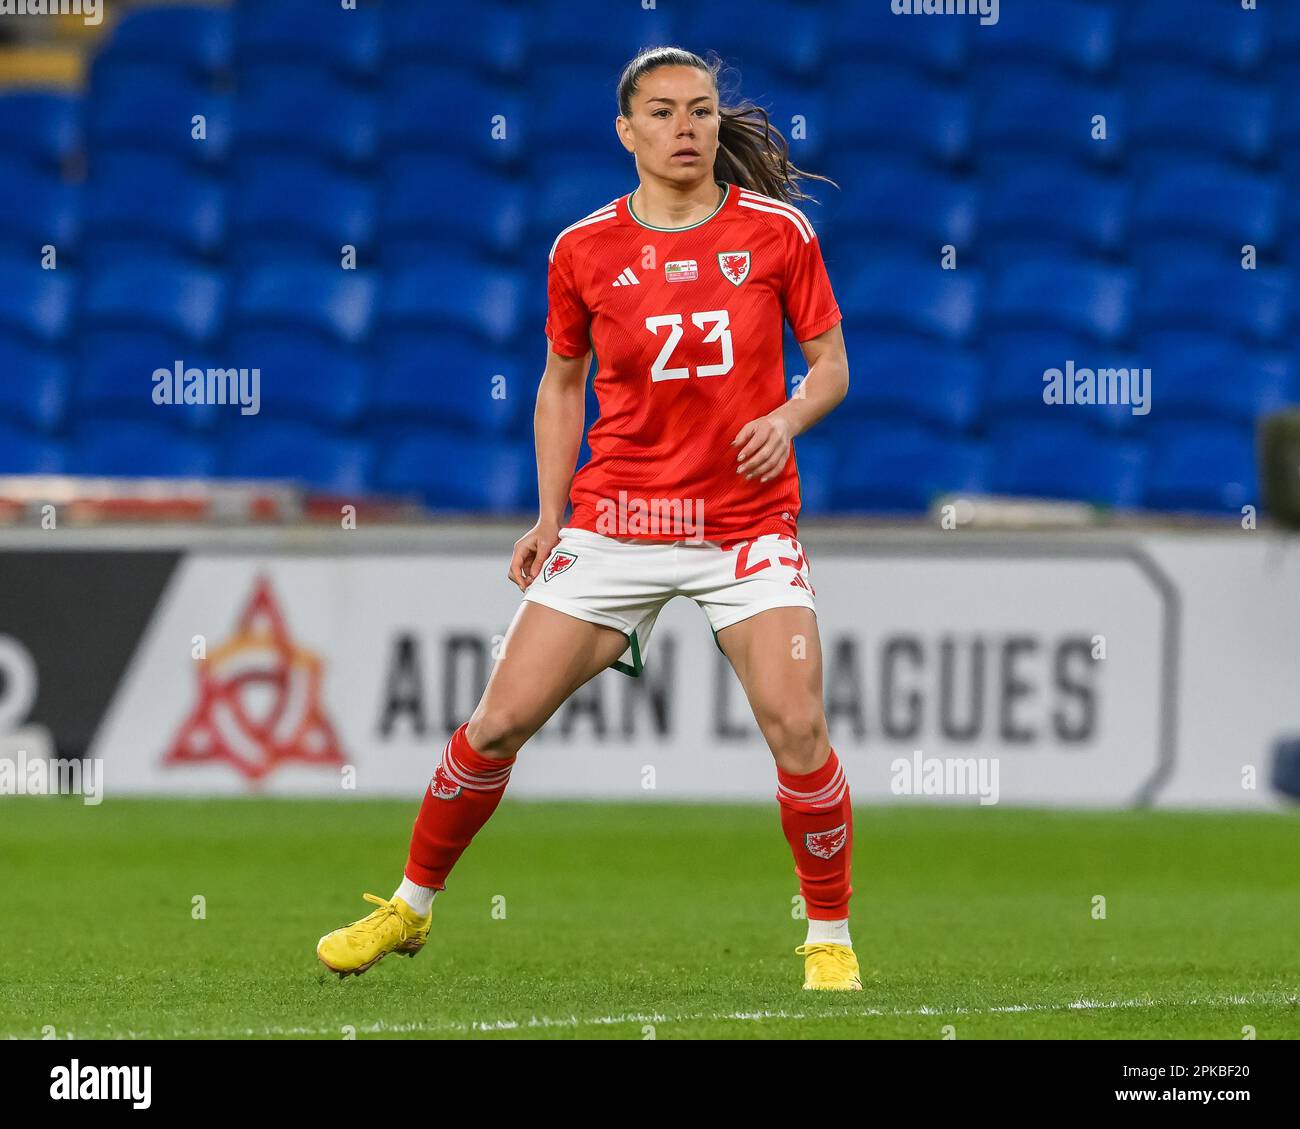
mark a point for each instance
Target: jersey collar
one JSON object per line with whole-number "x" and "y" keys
{"x": 626, "y": 203}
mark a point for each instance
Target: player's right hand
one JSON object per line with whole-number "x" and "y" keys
{"x": 531, "y": 551}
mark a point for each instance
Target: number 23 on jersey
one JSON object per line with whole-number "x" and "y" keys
{"x": 716, "y": 323}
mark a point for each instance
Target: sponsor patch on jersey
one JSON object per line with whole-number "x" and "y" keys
{"x": 683, "y": 270}
{"x": 826, "y": 844}
{"x": 557, "y": 564}
{"x": 734, "y": 266}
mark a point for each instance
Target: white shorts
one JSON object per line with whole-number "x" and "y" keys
{"x": 625, "y": 583}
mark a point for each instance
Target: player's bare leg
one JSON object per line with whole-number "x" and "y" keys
{"x": 777, "y": 657}
{"x": 546, "y": 656}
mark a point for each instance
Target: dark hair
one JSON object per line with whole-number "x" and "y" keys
{"x": 752, "y": 152}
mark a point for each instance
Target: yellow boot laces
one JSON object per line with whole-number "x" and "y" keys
{"x": 841, "y": 957}
{"x": 379, "y": 918}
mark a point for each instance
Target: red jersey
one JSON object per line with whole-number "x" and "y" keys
{"x": 686, "y": 324}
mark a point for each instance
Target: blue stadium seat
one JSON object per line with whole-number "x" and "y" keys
{"x": 1043, "y": 116}
{"x": 150, "y": 203}
{"x": 1250, "y": 303}
{"x": 196, "y": 39}
{"x": 456, "y": 473}
{"x": 1063, "y": 33}
{"x": 1018, "y": 362}
{"x": 1173, "y": 351}
{"x": 253, "y": 447}
{"x": 774, "y": 33}
{"x": 1237, "y": 388}
{"x": 158, "y": 295}
{"x": 1049, "y": 202}
{"x": 306, "y": 31}
{"x": 128, "y": 449}
{"x": 1066, "y": 461}
{"x": 153, "y": 111}
{"x": 1288, "y": 130}
{"x": 491, "y": 35}
{"x": 1289, "y": 250}
{"x": 304, "y": 377}
{"x": 815, "y": 458}
{"x": 868, "y": 35}
{"x": 23, "y": 452}
{"x": 1193, "y": 253}
{"x": 1072, "y": 296}
{"x": 565, "y": 194}
{"x": 903, "y": 468}
{"x": 904, "y": 113}
{"x": 1203, "y": 468}
{"x": 49, "y": 213}
{"x": 455, "y": 293}
{"x": 569, "y": 113}
{"x": 1209, "y": 202}
{"x": 533, "y": 300}
{"x": 115, "y": 378}
{"x": 454, "y": 112}
{"x": 502, "y": 207}
{"x": 34, "y": 391}
{"x": 900, "y": 295}
{"x": 304, "y": 296}
{"x": 305, "y": 111}
{"x": 283, "y": 207}
{"x": 1221, "y": 36}
{"x": 42, "y": 128}
{"x": 778, "y": 91}
{"x": 799, "y": 109}
{"x": 1284, "y": 38}
{"x": 37, "y": 303}
{"x": 912, "y": 379}
{"x": 450, "y": 381}
{"x": 1200, "y": 116}
{"x": 579, "y": 33}
{"x": 903, "y": 206}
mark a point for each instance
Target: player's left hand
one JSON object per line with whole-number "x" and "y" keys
{"x": 764, "y": 447}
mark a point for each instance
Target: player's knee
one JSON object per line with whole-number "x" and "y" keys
{"x": 497, "y": 732}
{"x": 798, "y": 740}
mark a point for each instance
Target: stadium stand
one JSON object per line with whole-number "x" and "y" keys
{"x": 204, "y": 187}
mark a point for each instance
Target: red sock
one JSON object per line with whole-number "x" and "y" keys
{"x": 817, "y": 819}
{"x": 463, "y": 794}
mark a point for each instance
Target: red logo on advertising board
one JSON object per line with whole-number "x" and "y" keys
{"x": 259, "y": 700}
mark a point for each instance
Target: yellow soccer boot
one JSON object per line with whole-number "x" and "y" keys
{"x": 393, "y": 928}
{"x": 830, "y": 968}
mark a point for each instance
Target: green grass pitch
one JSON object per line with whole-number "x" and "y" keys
{"x": 646, "y": 920}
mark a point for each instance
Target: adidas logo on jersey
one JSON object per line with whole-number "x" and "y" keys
{"x": 627, "y": 278}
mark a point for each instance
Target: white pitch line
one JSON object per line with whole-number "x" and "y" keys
{"x": 573, "y": 1021}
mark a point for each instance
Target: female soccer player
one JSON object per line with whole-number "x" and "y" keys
{"x": 680, "y": 287}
